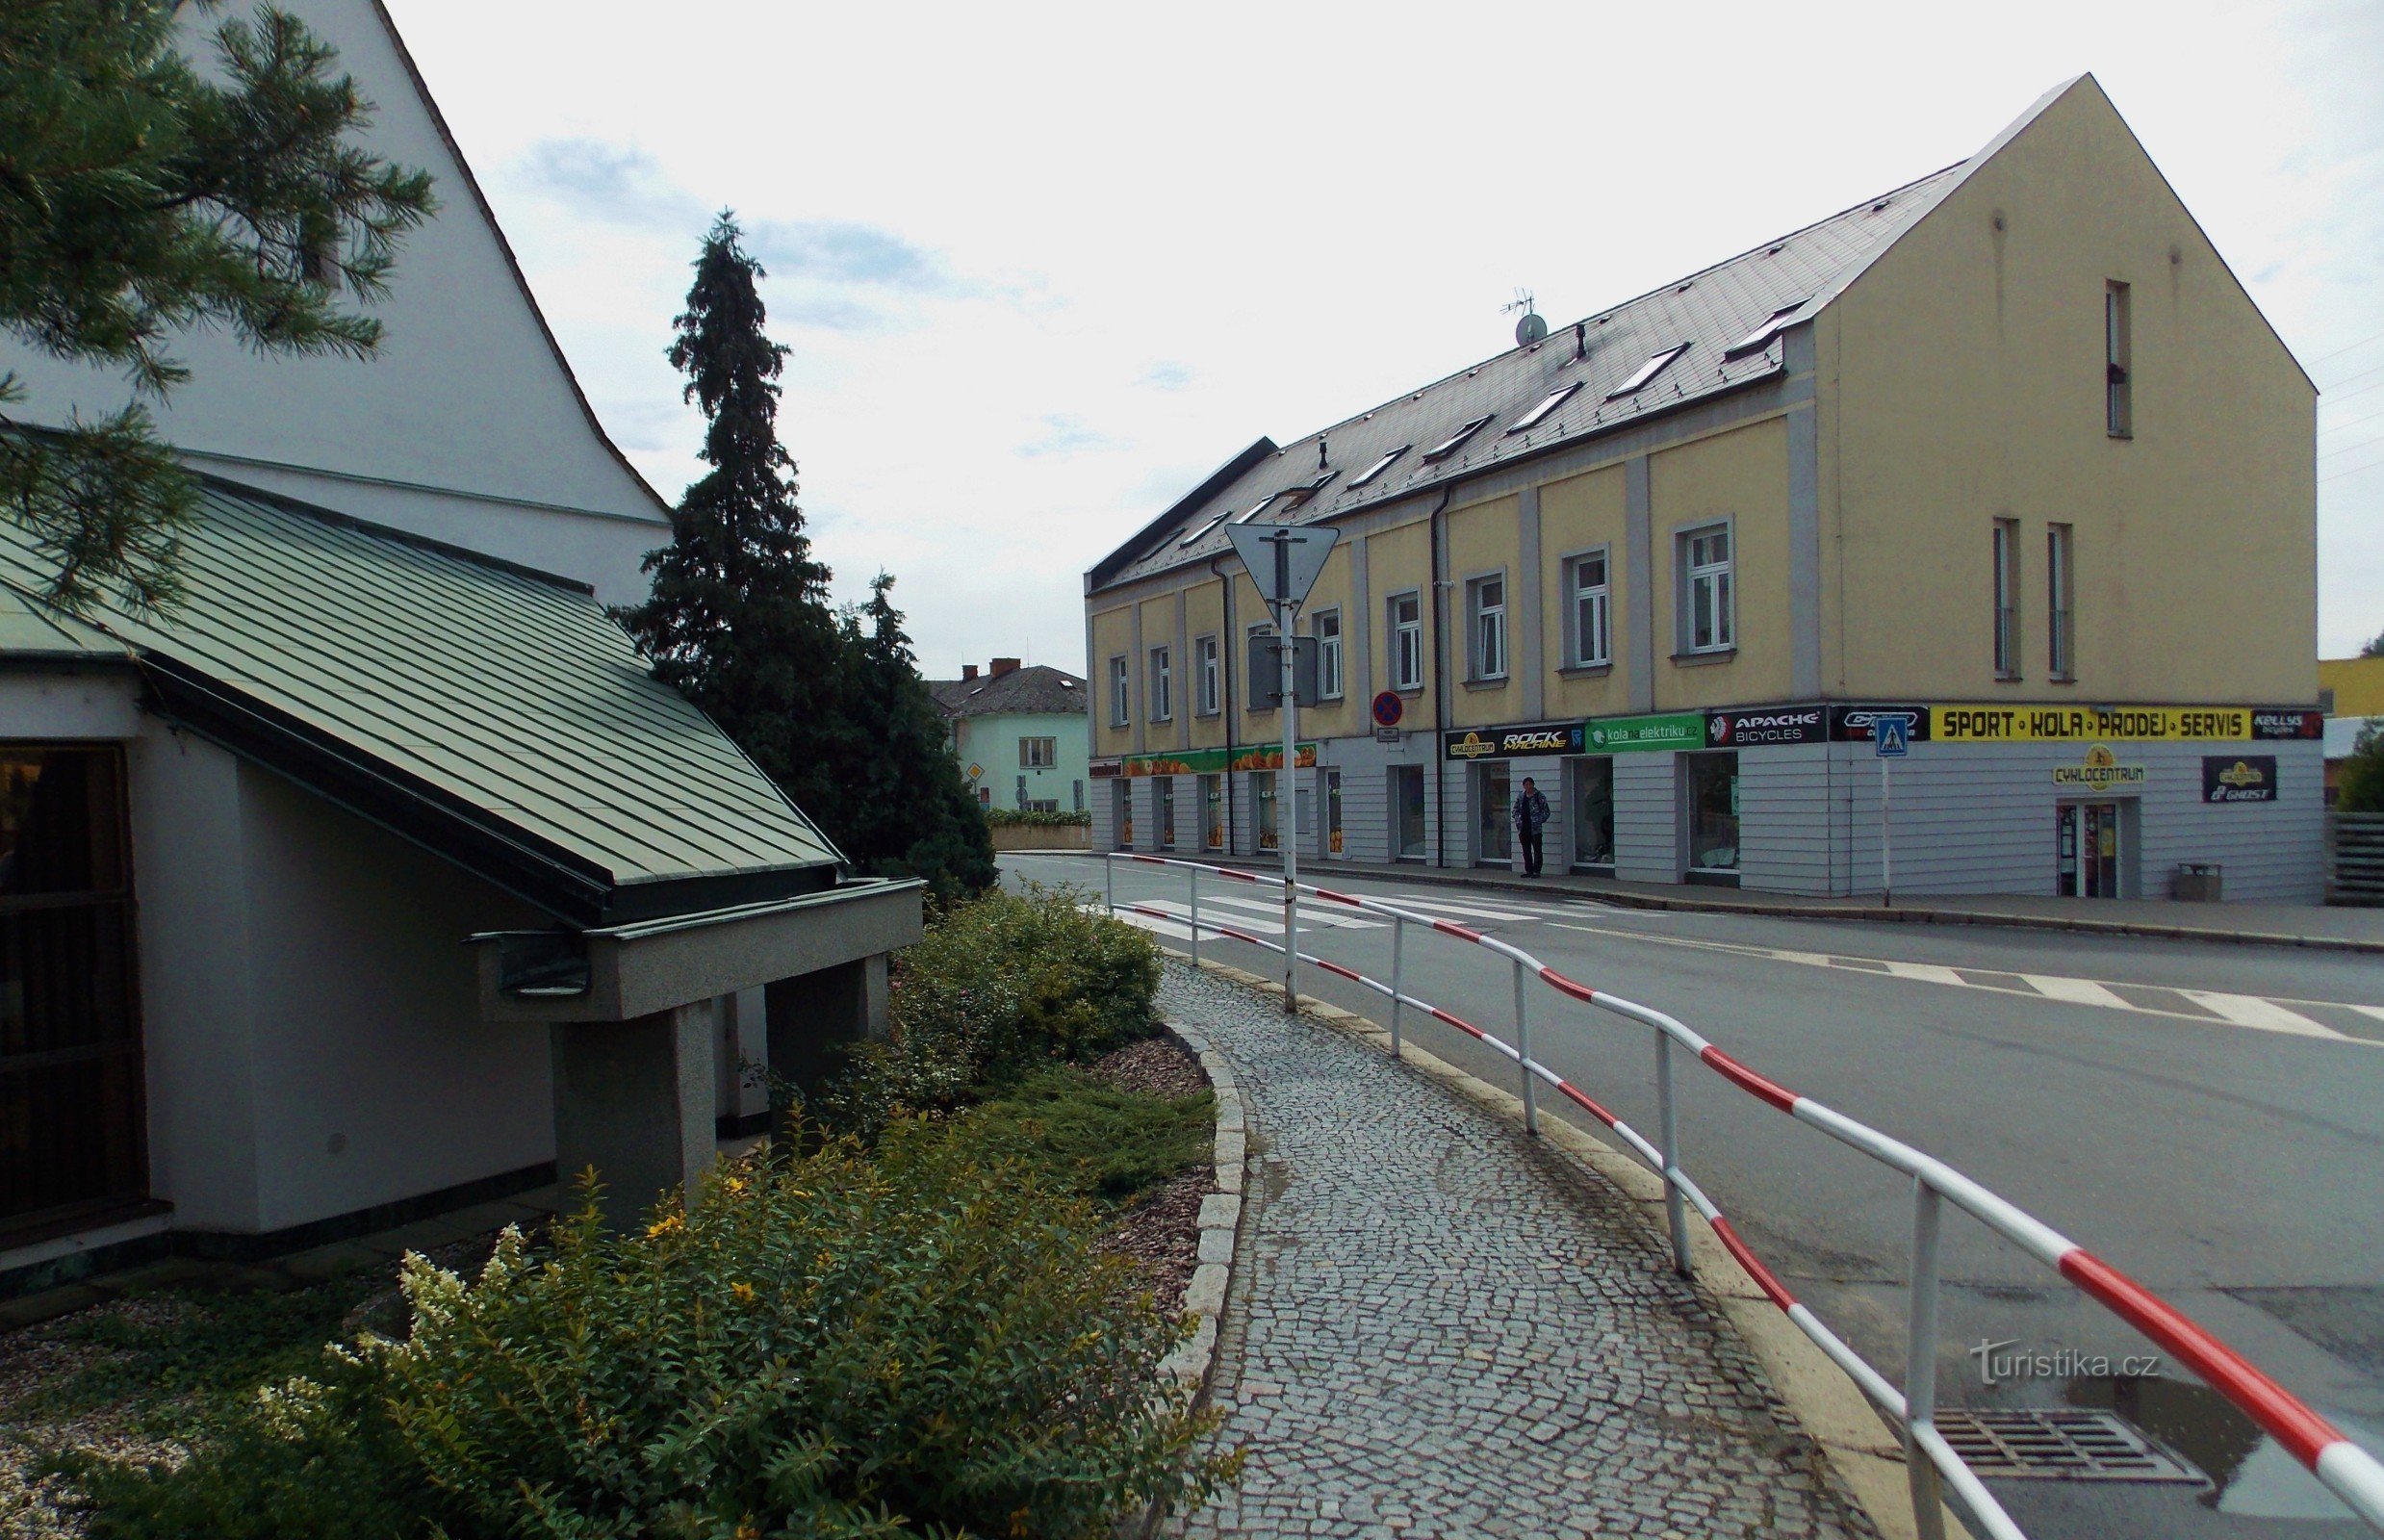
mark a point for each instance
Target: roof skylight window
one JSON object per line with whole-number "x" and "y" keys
{"x": 1761, "y": 336}
{"x": 1258, "y": 507}
{"x": 1645, "y": 372}
{"x": 1202, "y": 531}
{"x": 1454, "y": 441}
{"x": 1300, "y": 494}
{"x": 1547, "y": 403}
{"x": 1378, "y": 466}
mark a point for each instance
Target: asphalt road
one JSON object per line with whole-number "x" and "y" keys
{"x": 2207, "y": 1117}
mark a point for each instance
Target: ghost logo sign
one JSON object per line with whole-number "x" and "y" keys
{"x": 2239, "y": 778}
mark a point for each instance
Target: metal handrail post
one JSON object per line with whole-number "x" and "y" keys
{"x": 1399, "y": 936}
{"x": 1194, "y": 869}
{"x": 1523, "y": 1055}
{"x": 1667, "y": 1129}
{"x": 1109, "y": 879}
{"x": 1920, "y": 1365}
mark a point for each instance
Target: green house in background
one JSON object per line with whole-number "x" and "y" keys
{"x": 1021, "y": 736}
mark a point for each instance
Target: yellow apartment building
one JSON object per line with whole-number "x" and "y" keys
{"x": 2005, "y": 457}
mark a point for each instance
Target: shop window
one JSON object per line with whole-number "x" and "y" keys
{"x": 1325, "y": 627}
{"x": 1407, "y": 813}
{"x": 1707, "y": 622}
{"x": 71, "y": 1077}
{"x": 1589, "y": 610}
{"x": 1332, "y": 812}
{"x": 1406, "y": 614}
{"x": 1593, "y": 813}
{"x": 1163, "y": 791}
{"x": 1493, "y": 801}
{"x": 1486, "y": 605}
{"x": 1713, "y": 817}
{"x": 1211, "y": 813}
{"x": 1263, "y": 791}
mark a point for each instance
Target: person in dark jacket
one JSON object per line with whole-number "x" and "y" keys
{"x": 1531, "y": 817}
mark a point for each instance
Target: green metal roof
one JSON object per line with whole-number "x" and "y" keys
{"x": 490, "y": 713}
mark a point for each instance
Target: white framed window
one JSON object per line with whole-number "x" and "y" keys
{"x": 1589, "y": 612}
{"x": 1037, "y": 754}
{"x": 1709, "y": 619}
{"x": 1325, "y": 627}
{"x": 1406, "y": 629}
{"x": 2119, "y": 420}
{"x": 1209, "y": 664}
{"x": 1486, "y": 629}
{"x": 2007, "y": 558}
{"x": 1161, "y": 685}
{"x": 1120, "y": 709}
{"x": 2060, "y": 583}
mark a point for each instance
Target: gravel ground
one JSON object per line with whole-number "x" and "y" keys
{"x": 1439, "y": 1328}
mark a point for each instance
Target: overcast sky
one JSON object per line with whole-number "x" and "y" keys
{"x": 1043, "y": 266}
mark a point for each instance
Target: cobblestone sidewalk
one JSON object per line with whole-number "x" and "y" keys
{"x": 1441, "y": 1328}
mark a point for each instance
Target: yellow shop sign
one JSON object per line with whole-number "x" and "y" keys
{"x": 2100, "y": 772}
{"x": 2113, "y": 724}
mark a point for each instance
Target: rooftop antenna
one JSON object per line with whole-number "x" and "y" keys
{"x": 1530, "y": 328}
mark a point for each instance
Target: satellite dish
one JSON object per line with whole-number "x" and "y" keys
{"x": 1528, "y": 330}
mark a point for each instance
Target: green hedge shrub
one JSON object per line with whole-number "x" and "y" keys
{"x": 1023, "y": 818}
{"x": 2361, "y": 784}
{"x": 922, "y": 1342}
{"x": 998, "y": 988}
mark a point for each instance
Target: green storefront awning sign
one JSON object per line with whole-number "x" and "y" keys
{"x": 1625, "y": 735}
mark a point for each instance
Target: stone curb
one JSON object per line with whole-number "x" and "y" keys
{"x": 1867, "y": 1455}
{"x": 1220, "y": 1220}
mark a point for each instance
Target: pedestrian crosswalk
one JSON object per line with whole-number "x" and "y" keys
{"x": 1265, "y": 915}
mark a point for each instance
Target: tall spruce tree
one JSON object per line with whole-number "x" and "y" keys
{"x": 739, "y": 619}
{"x": 141, "y": 196}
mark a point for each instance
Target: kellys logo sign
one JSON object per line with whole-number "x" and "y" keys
{"x": 1512, "y": 743}
{"x": 2100, "y": 772}
{"x": 2239, "y": 778}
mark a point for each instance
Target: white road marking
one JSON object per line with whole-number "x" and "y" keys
{"x": 1151, "y": 922}
{"x": 2252, "y": 1011}
{"x": 2076, "y": 991}
{"x": 1320, "y": 912}
{"x": 2224, "y": 1009}
{"x": 1444, "y": 906}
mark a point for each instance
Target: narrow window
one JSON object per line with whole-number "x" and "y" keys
{"x": 1019, "y": 801}
{"x": 1205, "y": 651}
{"x": 2006, "y": 554}
{"x": 1080, "y": 795}
{"x": 1326, "y": 628}
{"x": 1489, "y": 608}
{"x": 1406, "y": 641}
{"x": 1118, "y": 712}
{"x": 1161, "y": 685}
{"x": 2119, "y": 420}
{"x": 1592, "y": 599}
{"x": 2060, "y": 583}
{"x": 1709, "y": 624}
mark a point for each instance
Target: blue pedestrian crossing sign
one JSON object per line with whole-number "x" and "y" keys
{"x": 1892, "y": 736}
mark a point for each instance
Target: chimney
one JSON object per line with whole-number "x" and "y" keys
{"x": 1004, "y": 665}
{"x": 968, "y": 671}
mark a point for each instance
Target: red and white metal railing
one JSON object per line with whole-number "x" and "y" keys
{"x": 2348, "y": 1471}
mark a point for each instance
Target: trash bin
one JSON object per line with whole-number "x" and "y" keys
{"x": 2197, "y": 882}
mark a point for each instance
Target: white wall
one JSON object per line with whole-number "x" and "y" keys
{"x": 466, "y": 395}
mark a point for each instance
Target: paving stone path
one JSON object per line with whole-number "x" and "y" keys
{"x": 1439, "y": 1328}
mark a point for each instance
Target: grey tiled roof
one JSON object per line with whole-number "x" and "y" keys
{"x": 1710, "y": 311}
{"x": 1039, "y": 689}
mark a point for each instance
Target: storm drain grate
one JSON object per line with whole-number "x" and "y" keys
{"x": 2064, "y": 1444}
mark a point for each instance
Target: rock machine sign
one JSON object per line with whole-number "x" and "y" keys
{"x": 1512, "y": 743}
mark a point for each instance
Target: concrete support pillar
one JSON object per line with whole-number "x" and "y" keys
{"x": 813, "y": 1015}
{"x": 634, "y": 1099}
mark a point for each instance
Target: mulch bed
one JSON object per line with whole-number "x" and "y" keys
{"x": 1162, "y": 1231}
